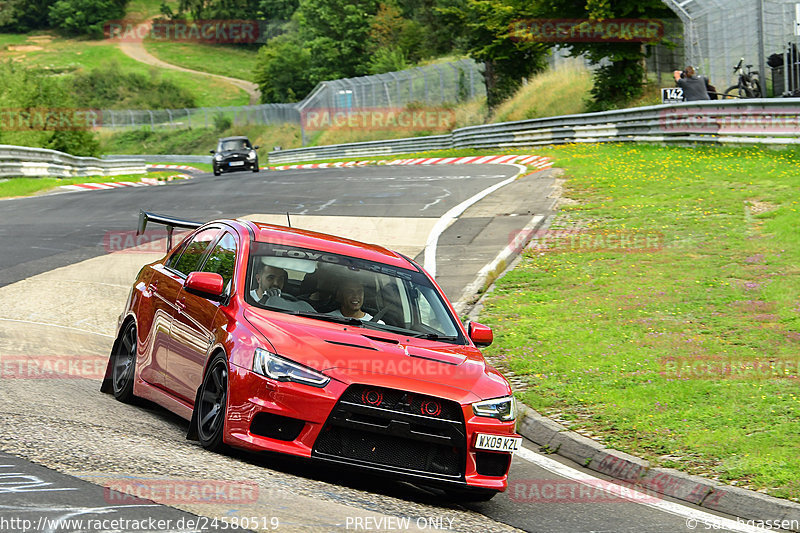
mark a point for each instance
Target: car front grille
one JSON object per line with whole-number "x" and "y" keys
{"x": 395, "y": 430}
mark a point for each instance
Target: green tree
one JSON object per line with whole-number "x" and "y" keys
{"x": 489, "y": 39}
{"x": 278, "y": 9}
{"x": 282, "y": 70}
{"x": 393, "y": 37}
{"x": 24, "y": 15}
{"x": 337, "y": 35}
{"x": 84, "y": 17}
{"x": 621, "y": 79}
{"x": 219, "y": 9}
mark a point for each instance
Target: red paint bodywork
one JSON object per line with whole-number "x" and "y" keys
{"x": 178, "y": 332}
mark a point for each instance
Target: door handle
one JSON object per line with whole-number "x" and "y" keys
{"x": 181, "y": 304}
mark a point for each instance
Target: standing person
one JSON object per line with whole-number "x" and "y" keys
{"x": 694, "y": 87}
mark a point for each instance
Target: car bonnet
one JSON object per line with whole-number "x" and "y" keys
{"x": 359, "y": 355}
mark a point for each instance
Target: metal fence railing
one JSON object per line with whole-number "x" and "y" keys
{"x": 756, "y": 121}
{"x": 430, "y": 85}
{"x": 202, "y": 117}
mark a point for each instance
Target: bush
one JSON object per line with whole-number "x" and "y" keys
{"x": 221, "y": 122}
{"x": 85, "y": 17}
{"x": 108, "y": 87}
{"x": 27, "y": 92}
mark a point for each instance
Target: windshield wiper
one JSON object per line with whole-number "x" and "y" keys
{"x": 350, "y": 321}
{"x": 437, "y": 337}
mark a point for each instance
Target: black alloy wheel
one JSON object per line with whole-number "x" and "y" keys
{"x": 124, "y": 364}
{"x": 211, "y": 405}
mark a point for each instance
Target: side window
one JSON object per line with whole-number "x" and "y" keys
{"x": 189, "y": 259}
{"x": 222, "y": 259}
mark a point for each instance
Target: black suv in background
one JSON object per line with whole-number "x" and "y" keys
{"x": 234, "y": 153}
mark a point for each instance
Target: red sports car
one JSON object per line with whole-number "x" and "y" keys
{"x": 273, "y": 338}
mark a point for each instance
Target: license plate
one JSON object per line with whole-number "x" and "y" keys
{"x": 497, "y": 443}
{"x": 236, "y": 163}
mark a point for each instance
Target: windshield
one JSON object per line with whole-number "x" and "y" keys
{"x": 235, "y": 144}
{"x": 348, "y": 290}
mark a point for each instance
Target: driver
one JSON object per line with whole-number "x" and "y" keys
{"x": 270, "y": 281}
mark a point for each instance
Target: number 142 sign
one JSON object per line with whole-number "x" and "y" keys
{"x": 671, "y": 95}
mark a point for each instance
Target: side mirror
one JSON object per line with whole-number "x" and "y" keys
{"x": 256, "y": 147}
{"x": 479, "y": 334}
{"x": 212, "y": 152}
{"x": 206, "y": 284}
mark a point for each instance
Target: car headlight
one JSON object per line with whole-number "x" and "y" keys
{"x": 218, "y": 157}
{"x": 251, "y": 154}
{"x": 276, "y": 367}
{"x": 504, "y": 408}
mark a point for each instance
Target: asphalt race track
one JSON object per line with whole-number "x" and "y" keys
{"x": 67, "y": 450}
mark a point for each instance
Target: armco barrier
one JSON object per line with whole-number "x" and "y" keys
{"x": 752, "y": 121}
{"x": 364, "y": 149}
{"x": 163, "y": 158}
{"x": 40, "y": 162}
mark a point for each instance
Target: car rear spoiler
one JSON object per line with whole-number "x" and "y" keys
{"x": 169, "y": 221}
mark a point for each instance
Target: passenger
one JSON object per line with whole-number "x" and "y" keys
{"x": 350, "y": 295}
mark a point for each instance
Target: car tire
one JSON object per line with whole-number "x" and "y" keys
{"x": 211, "y": 404}
{"x": 217, "y": 172}
{"x": 123, "y": 365}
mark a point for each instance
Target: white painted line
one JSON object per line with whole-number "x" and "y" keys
{"x": 517, "y": 245}
{"x": 701, "y": 519}
{"x": 433, "y": 237}
{"x": 55, "y": 326}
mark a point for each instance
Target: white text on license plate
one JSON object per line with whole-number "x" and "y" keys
{"x": 236, "y": 163}
{"x": 497, "y": 443}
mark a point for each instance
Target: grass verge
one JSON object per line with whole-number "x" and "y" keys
{"x": 15, "y": 187}
{"x": 555, "y": 92}
{"x": 239, "y": 60}
{"x": 62, "y": 56}
{"x": 683, "y": 348}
